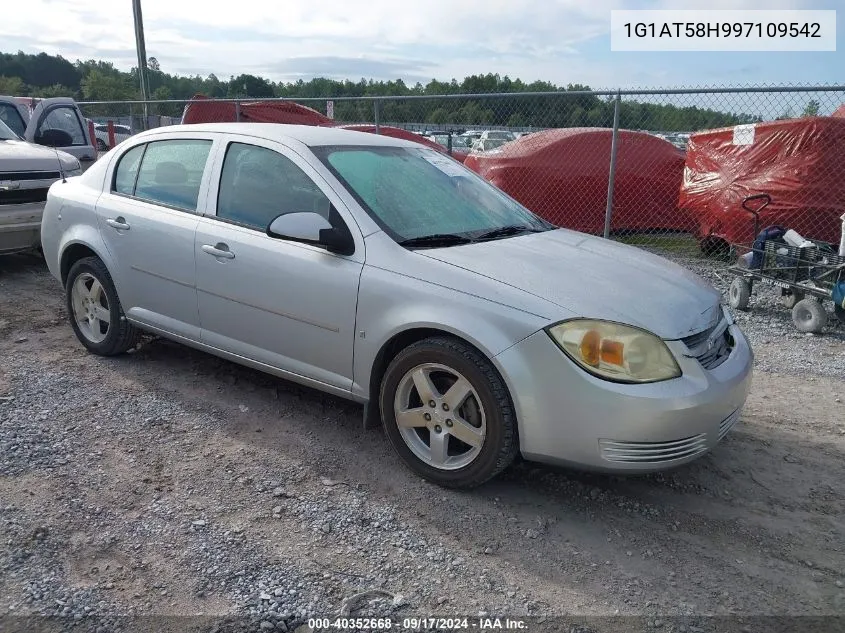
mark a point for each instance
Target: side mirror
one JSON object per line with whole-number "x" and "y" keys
{"x": 54, "y": 138}
{"x": 312, "y": 228}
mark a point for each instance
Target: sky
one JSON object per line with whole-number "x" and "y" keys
{"x": 562, "y": 41}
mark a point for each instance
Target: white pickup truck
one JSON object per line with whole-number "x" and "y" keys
{"x": 38, "y": 146}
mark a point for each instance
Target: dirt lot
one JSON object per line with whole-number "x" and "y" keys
{"x": 171, "y": 482}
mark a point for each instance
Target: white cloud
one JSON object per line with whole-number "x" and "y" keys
{"x": 415, "y": 39}
{"x": 197, "y": 35}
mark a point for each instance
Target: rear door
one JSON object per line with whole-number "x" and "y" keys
{"x": 59, "y": 123}
{"x": 148, "y": 216}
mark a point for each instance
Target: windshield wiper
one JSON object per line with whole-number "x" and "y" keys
{"x": 437, "y": 239}
{"x": 505, "y": 231}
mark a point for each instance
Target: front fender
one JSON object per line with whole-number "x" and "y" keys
{"x": 390, "y": 303}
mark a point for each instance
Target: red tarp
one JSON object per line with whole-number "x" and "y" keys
{"x": 562, "y": 175}
{"x": 798, "y": 162}
{"x": 396, "y": 132}
{"x": 201, "y": 109}
{"x": 840, "y": 111}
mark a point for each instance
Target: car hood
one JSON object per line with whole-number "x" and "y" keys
{"x": 23, "y": 156}
{"x": 595, "y": 278}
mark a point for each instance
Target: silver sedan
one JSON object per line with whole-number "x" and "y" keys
{"x": 382, "y": 271}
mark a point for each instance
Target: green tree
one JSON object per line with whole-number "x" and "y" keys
{"x": 812, "y": 108}
{"x": 250, "y": 86}
{"x": 11, "y": 86}
{"x": 101, "y": 86}
{"x": 56, "y": 90}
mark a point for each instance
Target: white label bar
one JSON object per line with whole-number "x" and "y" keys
{"x": 723, "y": 30}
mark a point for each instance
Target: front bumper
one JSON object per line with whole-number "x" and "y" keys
{"x": 20, "y": 226}
{"x": 569, "y": 417}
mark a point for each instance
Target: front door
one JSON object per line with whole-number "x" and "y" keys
{"x": 59, "y": 123}
{"x": 288, "y": 305}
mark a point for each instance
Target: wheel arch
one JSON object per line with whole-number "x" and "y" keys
{"x": 406, "y": 337}
{"x": 77, "y": 247}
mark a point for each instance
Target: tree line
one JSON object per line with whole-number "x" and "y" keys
{"x": 44, "y": 75}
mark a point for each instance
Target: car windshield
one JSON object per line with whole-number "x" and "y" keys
{"x": 6, "y": 133}
{"x": 417, "y": 193}
{"x": 500, "y": 136}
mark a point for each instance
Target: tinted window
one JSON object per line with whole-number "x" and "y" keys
{"x": 127, "y": 170}
{"x": 65, "y": 120}
{"x": 171, "y": 172}
{"x": 258, "y": 184}
{"x": 10, "y": 116}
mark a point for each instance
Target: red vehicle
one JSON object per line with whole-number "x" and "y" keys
{"x": 562, "y": 175}
{"x": 395, "y": 132}
{"x": 201, "y": 109}
{"x": 798, "y": 162}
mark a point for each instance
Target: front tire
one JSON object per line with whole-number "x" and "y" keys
{"x": 448, "y": 414}
{"x": 94, "y": 309}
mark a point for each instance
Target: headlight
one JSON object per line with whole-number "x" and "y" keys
{"x": 73, "y": 172}
{"x": 616, "y": 352}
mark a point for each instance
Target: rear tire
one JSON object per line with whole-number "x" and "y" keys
{"x": 476, "y": 433}
{"x": 101, "y": 145}
{"x": 94, "y": 310}
{"x": 739, "y": 293}
{"x": 809, "y": 315}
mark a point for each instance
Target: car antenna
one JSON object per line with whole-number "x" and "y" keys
{"x": 59, "y": 160}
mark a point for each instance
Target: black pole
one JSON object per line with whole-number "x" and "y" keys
{"x": 142, "y": 57}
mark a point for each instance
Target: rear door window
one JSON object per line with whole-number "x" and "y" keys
{"x": 171, "y": 172}
{"x": 127, "y": 171}
{"x": 10, "y": 116}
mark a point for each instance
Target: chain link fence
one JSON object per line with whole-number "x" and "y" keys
{"x": 664, "y": 169}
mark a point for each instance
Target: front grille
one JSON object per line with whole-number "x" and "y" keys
{"x": 17, "y": 176}
{"x": 697, "y": 339}
{"x": 22, "y": 196}
{"x": 710, "y": 356}
{"x": 652, "y": 452}
{"x": 728, "y": 423}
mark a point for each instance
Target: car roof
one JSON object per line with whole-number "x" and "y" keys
{"x": 310, "y": 135}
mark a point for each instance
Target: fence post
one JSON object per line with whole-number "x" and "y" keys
{"x": 131, "y": 120}
{"x": 609, "y": 210}
{"x": 238, "y": 111}
{"x": 376, "y": 108}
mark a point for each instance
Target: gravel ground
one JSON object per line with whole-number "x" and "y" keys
{"x": 168, "y": 482}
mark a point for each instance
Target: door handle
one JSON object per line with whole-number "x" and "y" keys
{"x": 118, "y": 223}
{"x": 218, "y": 250}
